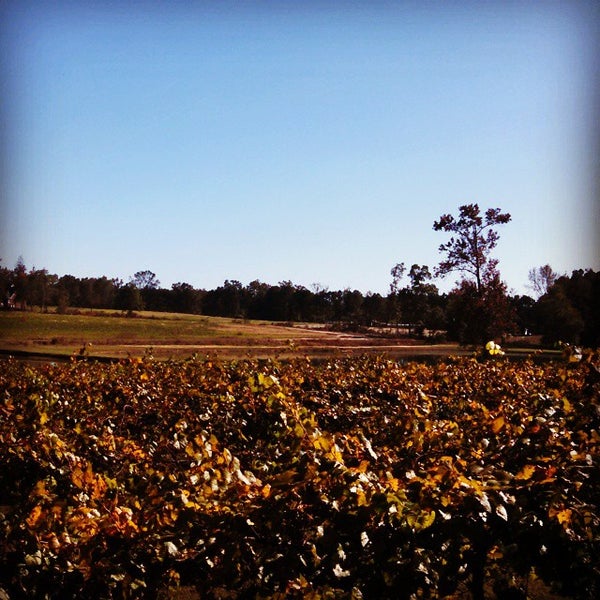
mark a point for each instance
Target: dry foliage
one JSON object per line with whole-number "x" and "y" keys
{"x": 361, "y": 478}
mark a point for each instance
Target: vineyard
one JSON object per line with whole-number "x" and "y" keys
{"x": 352, "y": 478}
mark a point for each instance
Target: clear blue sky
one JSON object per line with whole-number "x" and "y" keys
{"x": 307, "y": 141}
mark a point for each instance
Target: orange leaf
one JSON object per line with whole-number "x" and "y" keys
{"x": 526, "y": 472}
{"x": 40, "y": 489}
{"x": 77, "y": 477}
{"x": 497, "y": 424}
{"x": 35, "y": 516}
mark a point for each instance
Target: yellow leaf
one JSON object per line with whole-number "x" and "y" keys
{"x": 43, "y": 418}
{"x": 427, "y": 519}
{"x": 98, "y": 488}
{"x": 420, "y": 520}
{"x": 393, "y": 483}
{"x": 363, "y": 467}
{"x": 321, "y": 443}
{"x": 525, "y": 473}
{"x": 564, "y": 516}
{"x": 335, "y": 454}
{"x": 110, "y": 482}
{"x": 361, "y": 499}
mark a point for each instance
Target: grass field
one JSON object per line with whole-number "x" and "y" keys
{"x": 115, "y": 334}
{"x": 110, "y": 334}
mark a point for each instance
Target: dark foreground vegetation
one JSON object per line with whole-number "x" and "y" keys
{"x": 363, "y": 478}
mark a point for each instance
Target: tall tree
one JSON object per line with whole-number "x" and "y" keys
{"x": 40, "y": 283}
{"x": 420, "y": 276}
{"x": 420, "y": 296}
{"x": 21, "y": 283}
{"x": 542, "y": 279}
{"x": 474, "y": 237}
{"x": 397, "y": 274}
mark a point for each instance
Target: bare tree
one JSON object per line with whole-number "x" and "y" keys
{"x": 397, "y": 274}
{"x": 542, "y": 279}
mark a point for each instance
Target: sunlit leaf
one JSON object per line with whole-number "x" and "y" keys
{"x": 339, "y": 572}
{"x": 35, "y": 517}
{"x": 497, "y": 424}
{"x": 525, "y": 473}
{"x": 501, "y": 512}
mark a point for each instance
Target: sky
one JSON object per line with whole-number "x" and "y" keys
{"x": 312, "y": 142}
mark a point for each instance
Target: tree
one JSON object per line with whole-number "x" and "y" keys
{"x": 570, "y": 310}
{"x": 419, "y": 278}
{"x": 149, "y": 288}
{"x": 145, "y": 280}
{"x": 40, "y": 283}
{"x": 185, "y": 299}
{"x": 6, "y": 286}
{"x": 397, "y": 274}
{"x": 128, "y": 298}
{"x": 393, "y": 300}
{"x": 475, "y": 317}
{"x": 525, "y": 314}
{"x": 21, "y": 283}
{"x": 419, "y": 297}
{"x": 542, "y": 279}
{"x": 559, "y": 319}
{"x": 468, "y": 250}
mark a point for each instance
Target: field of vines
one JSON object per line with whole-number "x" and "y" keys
{"x": 352, "y": 478}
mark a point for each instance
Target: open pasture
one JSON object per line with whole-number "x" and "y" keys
{"x": 110, "y": 334}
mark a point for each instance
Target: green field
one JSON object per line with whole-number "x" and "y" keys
{"x": 110, "y": 334}
{"x": 106, "y": 327}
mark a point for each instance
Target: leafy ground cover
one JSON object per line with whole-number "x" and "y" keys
{"x": 362, "y": 478}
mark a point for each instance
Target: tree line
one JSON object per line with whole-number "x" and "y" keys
{"x": 479, "y": 307}
{"x": 568, "y": 311}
